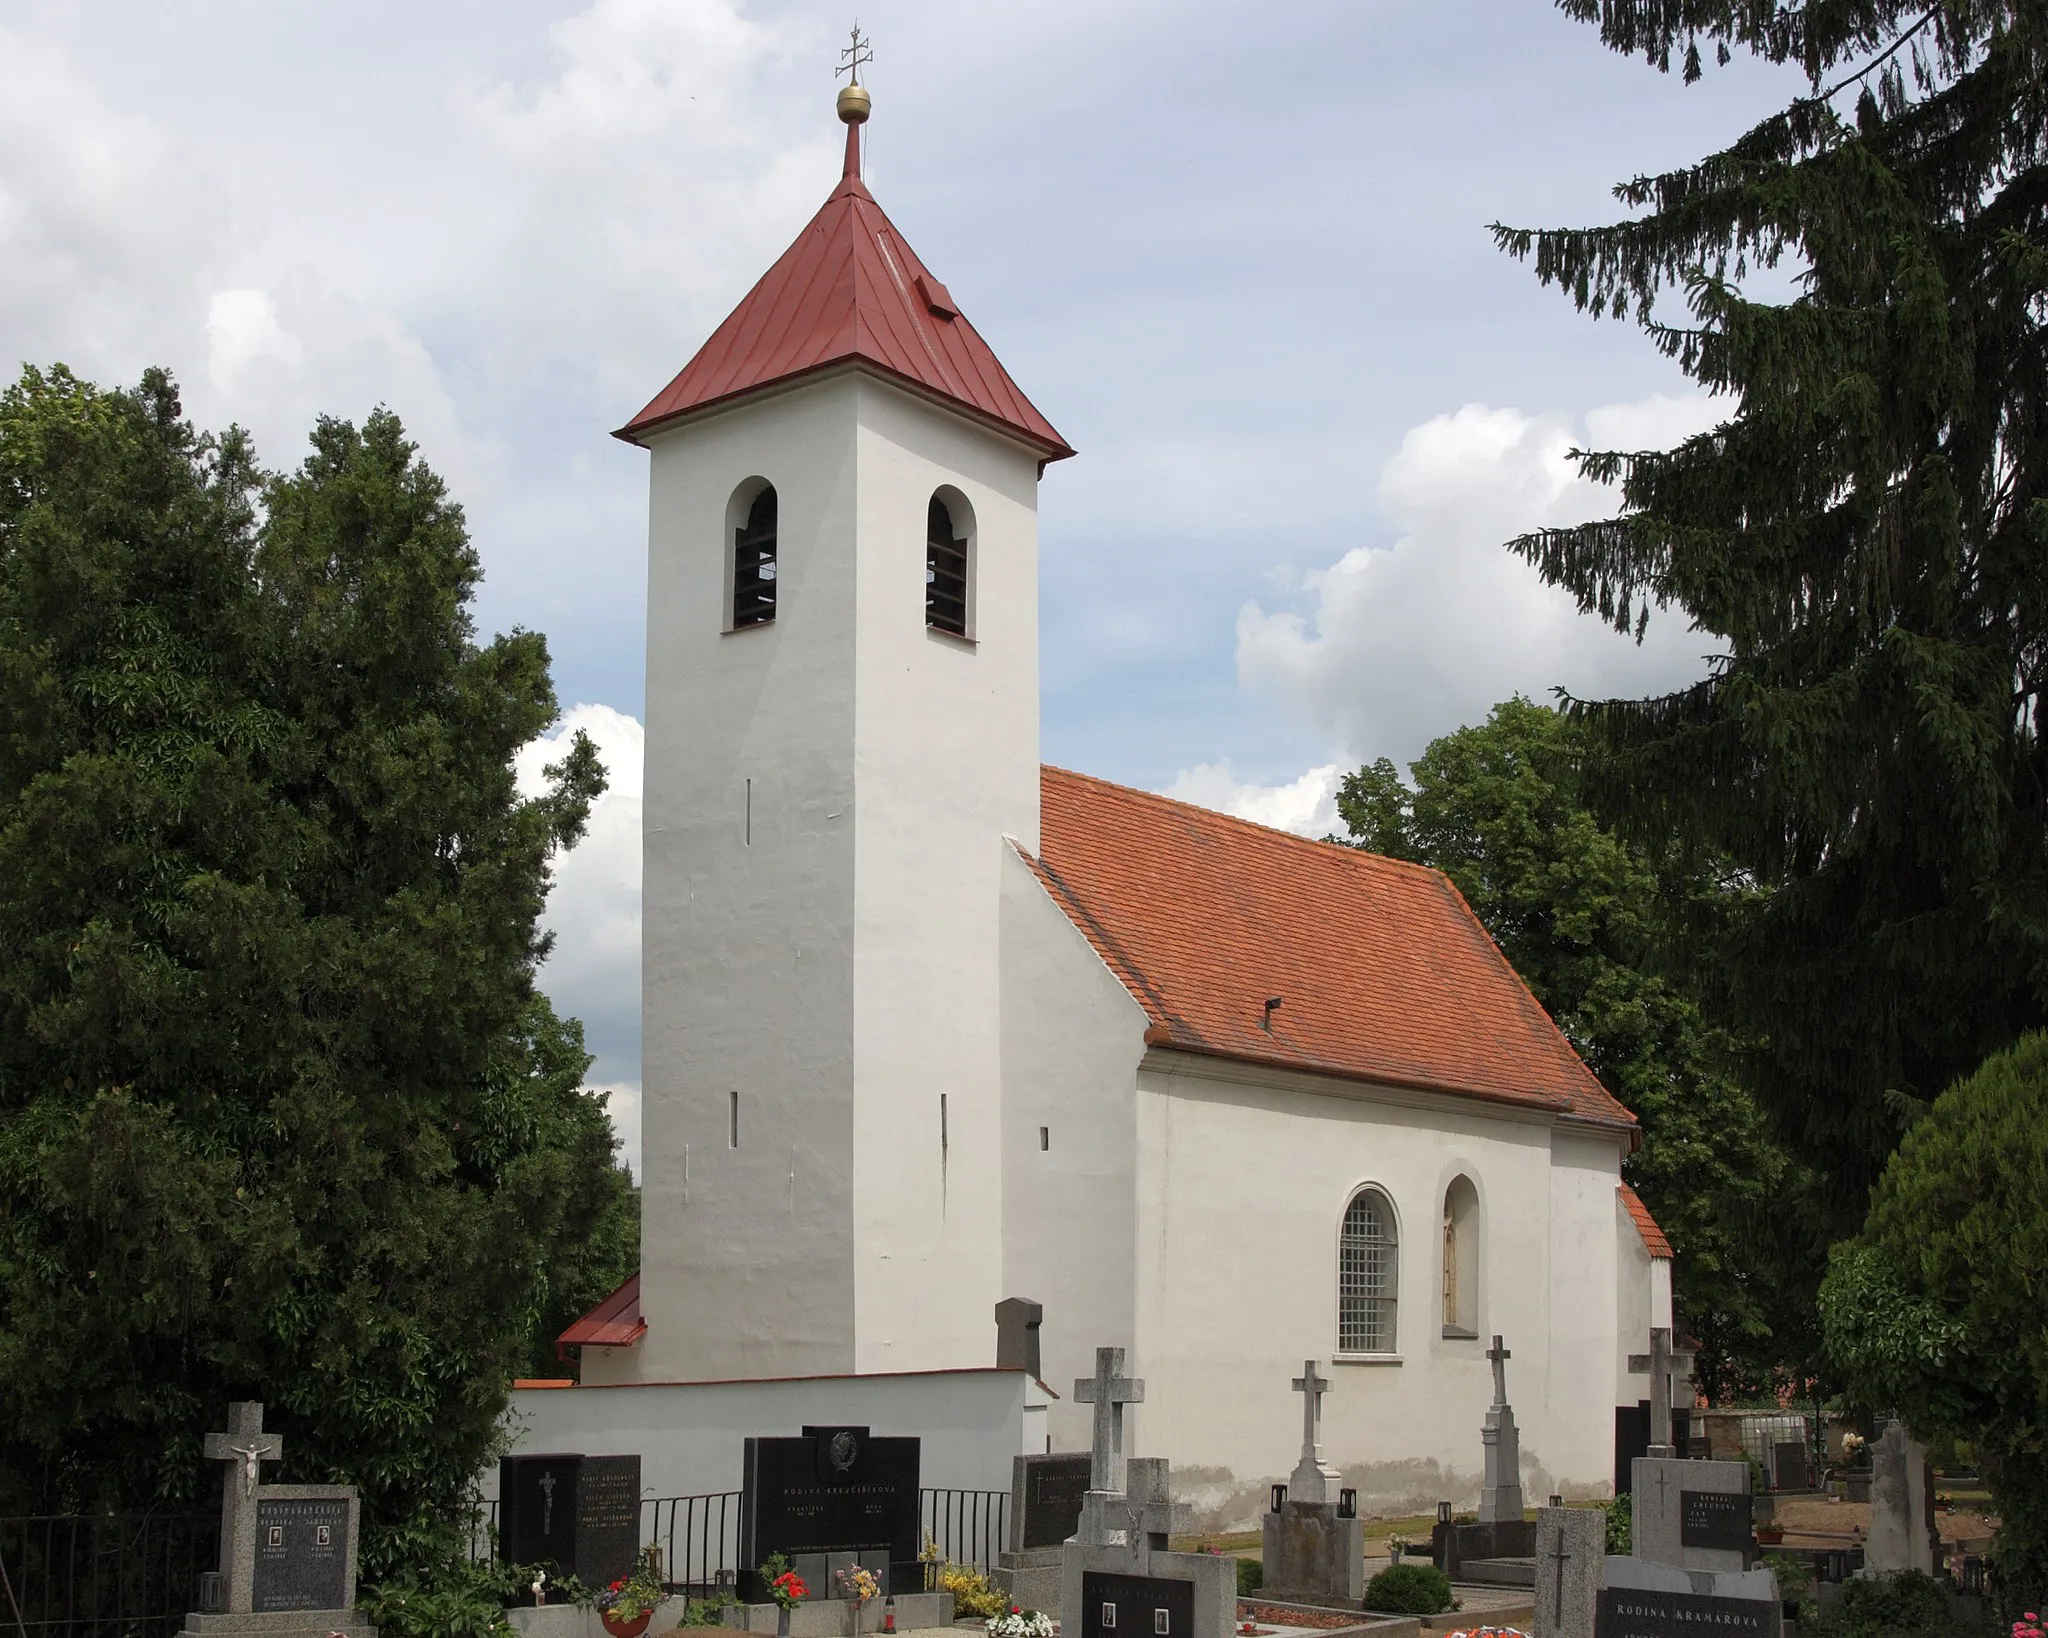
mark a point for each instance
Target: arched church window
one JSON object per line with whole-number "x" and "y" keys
{"x": 1367, "y": 1275}
{"x": 753, "y": 563}
{"x": 1461, "y": 1259}
{"x": 945, "y": 570}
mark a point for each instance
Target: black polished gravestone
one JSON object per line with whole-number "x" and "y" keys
{"x": 1136, "y": 1606}
{"x": 1717, "y": 1519}
{"x": 573, "y": 1515}
{"x": 831, "y": 1490}
{"x": 1633, "y": 1612}
{"x": 302, "y": 1552}
{"x": 1045, "y": 1499}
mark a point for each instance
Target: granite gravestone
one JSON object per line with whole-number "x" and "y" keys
{"x": 1692, "y": 1515}
{"x": 1571, "y": 1543}
{"x": 1119, "y": 1557}
{"x": 1500, "y": 1497}
{"x": 1642, "y": 1599}
{"x": 831, "y": 1490}
{"x": 575, "y": 1515}
{"x": 1313, "y": 1551}
{"x": 287, "y": 1551}
{"x": 1498, "y": 1549}
{"x": 1902, "y": 1528}
{"x": 1045, "y": 1509}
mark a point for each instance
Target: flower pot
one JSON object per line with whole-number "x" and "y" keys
{"x": 625, "y": 1629}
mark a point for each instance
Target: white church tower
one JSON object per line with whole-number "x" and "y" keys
{"x": 842, "y": 730}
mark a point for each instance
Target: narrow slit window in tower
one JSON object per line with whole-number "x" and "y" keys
{"x": 945, "y": 572}
{"x": 753, "y": 564}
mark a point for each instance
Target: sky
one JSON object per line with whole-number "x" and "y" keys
{"x": 1237, "y": 254}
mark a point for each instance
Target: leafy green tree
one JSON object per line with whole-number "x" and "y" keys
{"x": 1866, "y": 534}
{"x": 1581, "y": 915}
{"x": 1936, "y": 1308}
{"x": 281, "y": 1112}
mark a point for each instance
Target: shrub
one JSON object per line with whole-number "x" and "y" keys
{"x": 1905, "y": 1604}
{"x": 452, "y": 1599}
{"x": 1621, "y": 1525}
{"x": 1409, "y": 1589}
{"x": 972, "y": 1595}
{"x": 1251, "y": 1576}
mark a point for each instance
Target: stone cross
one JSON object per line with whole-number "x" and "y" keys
{"x": 1109, "y": 1390}
{"x": 1500, "y": 1357}
{"x": 245, "y": 1447}
{"x": 1310, "y": 1481}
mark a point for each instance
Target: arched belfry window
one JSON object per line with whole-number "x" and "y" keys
{"x": 753, "y": 563}
{"x": 1461, "y": 1259}
{"x": 945, "y": 570}
{"x": 1368, "y": 1256}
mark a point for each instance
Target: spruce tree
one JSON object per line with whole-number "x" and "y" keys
{"x": 1865, "y": 534}
{"x": 282, "y": 1115}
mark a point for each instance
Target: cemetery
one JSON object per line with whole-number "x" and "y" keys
{"x": 1585, "y": 1183}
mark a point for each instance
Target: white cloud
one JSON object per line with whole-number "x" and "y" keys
{"x": 593, "y": 972}
{"x": 1398, "y": 645}
{"x": 1307, "y": 806}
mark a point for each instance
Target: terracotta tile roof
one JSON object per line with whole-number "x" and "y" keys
{"x": 613, "y": 1323}
{"x": 1646, "y": 1225}
{"x": 1384, "y": 973}
{"x": 850, "y": 289}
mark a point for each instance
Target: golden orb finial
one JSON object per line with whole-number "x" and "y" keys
{"x": 854, "y": 101}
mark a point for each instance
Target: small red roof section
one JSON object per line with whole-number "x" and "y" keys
{"x": 851, "y": 290}
{"x": 1383, "y": 972}
{"x": 613, "y": 1323}
{"x": 1654, "y": 1242}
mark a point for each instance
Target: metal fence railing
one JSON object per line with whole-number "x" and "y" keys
{"x": 966, "y": 1525}
{"x": 699, "y": 1538}
{"x": 121, "y": 1575}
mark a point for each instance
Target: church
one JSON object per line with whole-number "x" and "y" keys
{"x": 929, "y": 1025}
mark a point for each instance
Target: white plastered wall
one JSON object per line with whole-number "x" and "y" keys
{"x": 1243, "y": 1178}
{"x": 1642, "y": 1295}
{"x": 823, "y": 941}
{"x": 1072, "y": 1041}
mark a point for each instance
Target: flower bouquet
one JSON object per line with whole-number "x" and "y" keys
{"x": 628, "y": 1604}
{"x": 786, "y": 1587}
{"x": 1020, "y": 1623}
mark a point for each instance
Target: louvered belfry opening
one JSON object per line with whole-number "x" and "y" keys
{"x": 945, "y": 573}
{"x": 753, "y": 564}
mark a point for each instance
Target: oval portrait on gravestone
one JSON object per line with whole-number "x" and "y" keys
{"x": 843, "y": 1451}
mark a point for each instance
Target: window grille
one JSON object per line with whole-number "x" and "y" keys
{"x": 1367, "y": 1261}
{"x": 753, "y": 564}
{"x": 945, "y": 572}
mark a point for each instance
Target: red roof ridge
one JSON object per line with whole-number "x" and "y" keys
{"x": 1654, "y": 1241}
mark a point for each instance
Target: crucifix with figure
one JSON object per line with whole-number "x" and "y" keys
{"x": 245, "y": 1447}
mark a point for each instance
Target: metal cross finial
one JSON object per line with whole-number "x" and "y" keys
{"x": 1500, "y": 1357}
{"x": 1108, "y": 1390}
{"x": 861, "y": 51}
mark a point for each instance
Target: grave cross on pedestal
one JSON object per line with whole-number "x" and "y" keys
{"x": 1310, "y": 1480}
{"x": 245, "y": 1446}
{"x": 1667, "y": 1366}
{"x": 1500, "y": 1357}
{"x": 1109, "y": 1390}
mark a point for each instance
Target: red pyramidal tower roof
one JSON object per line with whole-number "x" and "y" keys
{"x": 851, "y": 290}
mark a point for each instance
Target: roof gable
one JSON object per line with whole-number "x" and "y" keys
{"x": 851, "y": 290}
{"x": 1653, "y": 1239}
{"x": 1382, "y": 970}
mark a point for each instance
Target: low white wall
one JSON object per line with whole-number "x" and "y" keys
{"x": 688, "y": 1435}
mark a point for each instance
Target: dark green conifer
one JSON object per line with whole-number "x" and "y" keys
{"x": 1865, "y": 535}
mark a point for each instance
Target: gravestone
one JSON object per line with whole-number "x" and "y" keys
{"x": 1311, "y": 1552}
{"x": 1500, "y": 1548}
{"x": 1571, "y": 1543}
{"x": 1789, "y": 1470}
{"x": 1692, "y": 1515}
{"x": 1045, "y": 1509}
{"x": 1500, "y": 1497}
{"x": 1642, "y": 1599}
{"x": 1902, "y": 1530}
{"x": 287, "y": 1551}
{"x": 571, "y": 1514}
{"x": 831, "y": 1490}
{"x": 1118, "y": 1572}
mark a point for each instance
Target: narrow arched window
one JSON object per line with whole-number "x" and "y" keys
{"x": 945, "y": 571}
{"x": 1461, "y": 1259}
{"x": 753, "y": 563}
{"x": 1367, "y": 1259}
